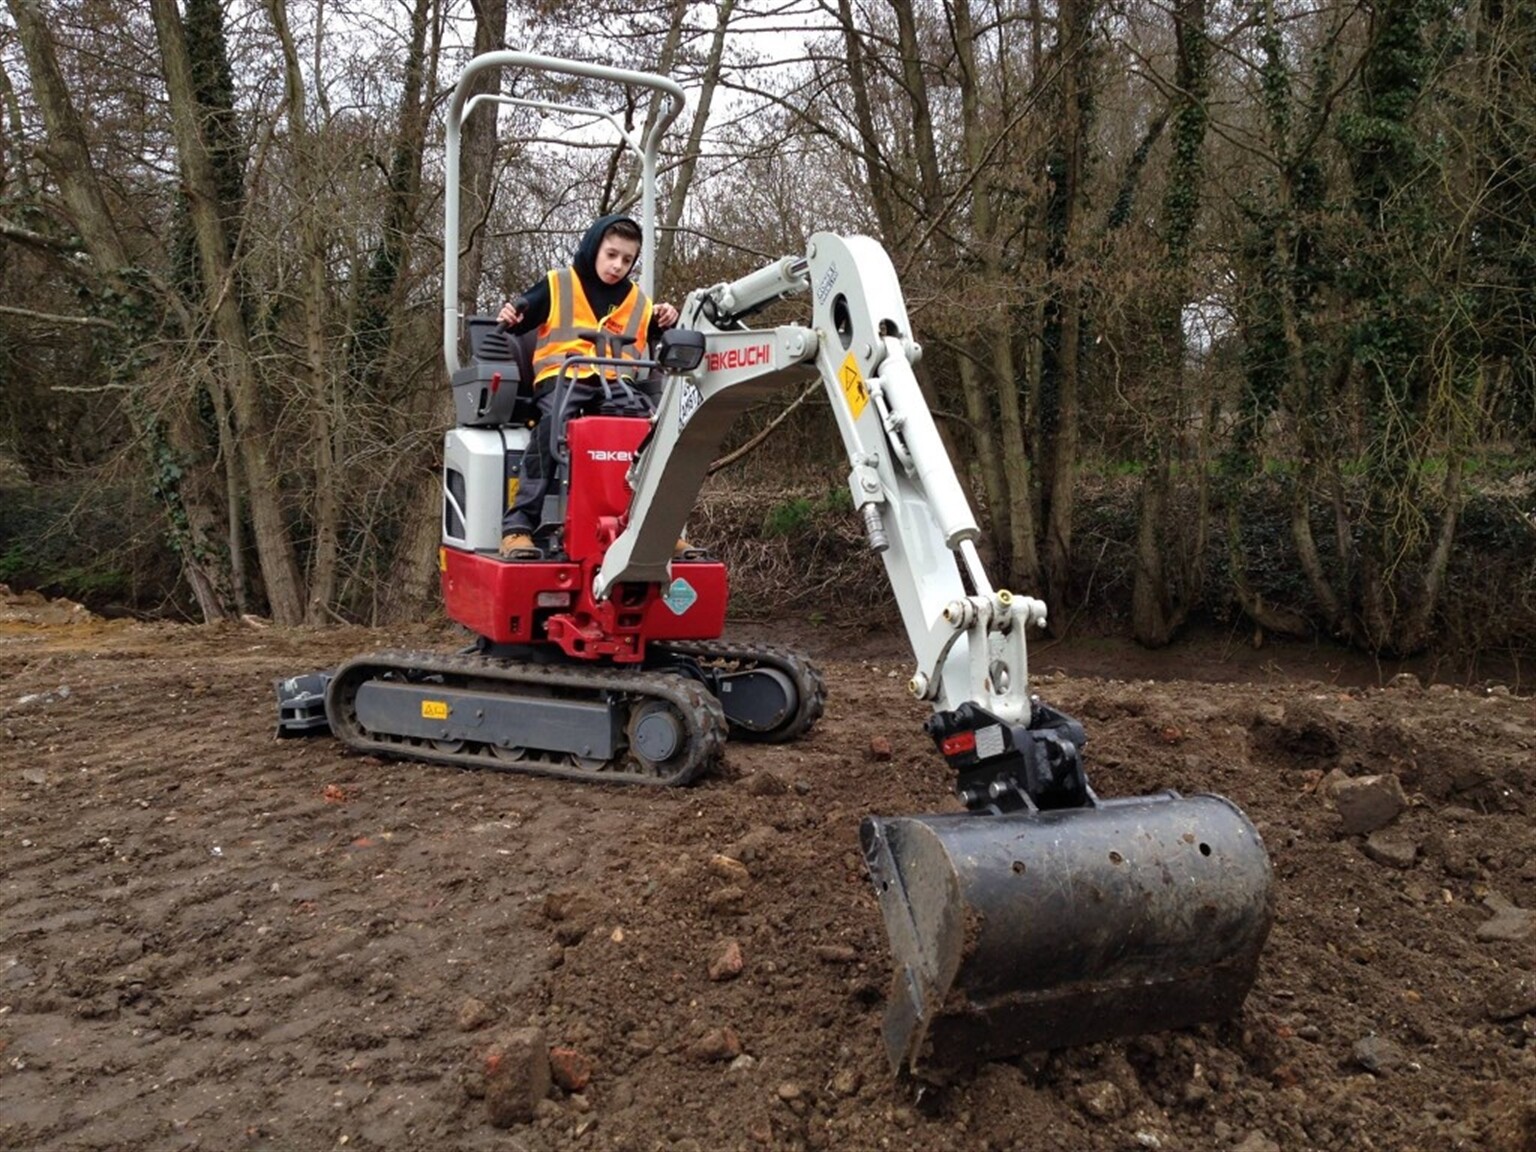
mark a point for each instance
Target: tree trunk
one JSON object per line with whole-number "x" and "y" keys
{"x": 1157, "y": 610}
{"x": 316, "y": 356}
{"x": 975, "y": 395}
{"x": 411, "y": 588}
{"x": 1311, "y": 561}
{"x": 11, "y": 138}
{"x": 1171, "y": 553}
{"x": 978, "y": 412}
{"x": 1023, "y": 561}
{"x": 1410, "y": 341}
{"x": 214, "y": 93}
{"x": 1061, "y": 472}
{"x": 215, "y": 577}
{"x": 1415, "y": 630}
{"x": 84, "y": 201}
{"x": 274, "y": 546}
{"x": 478, "y": 148}
{"x": 870, "y": 157}
{"x": 682, "y": 182}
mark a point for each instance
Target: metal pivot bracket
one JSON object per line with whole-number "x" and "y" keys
{"x": 995, "y": 626}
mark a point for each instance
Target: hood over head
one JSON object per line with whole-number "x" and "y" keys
{"x": 585, "y": 259}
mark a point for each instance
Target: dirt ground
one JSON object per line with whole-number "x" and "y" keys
{"x": 211, "y": 938}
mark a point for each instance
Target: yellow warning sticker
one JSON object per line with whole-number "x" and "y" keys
{"x": 855, "y": 391}
{"x": 442, "y": 559}
{"x": 434, "y": 709}
{"x": 511, "y": 491}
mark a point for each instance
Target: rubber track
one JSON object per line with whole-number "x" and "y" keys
{"x": 702, "y": 715}
{"x": 807, "y": 679}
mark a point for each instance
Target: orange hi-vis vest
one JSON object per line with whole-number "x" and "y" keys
{"x": 570, "y": 314}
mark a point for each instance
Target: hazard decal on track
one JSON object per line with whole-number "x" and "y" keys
{"x": 855, "y": 391}
{"x": 434, "y": 709}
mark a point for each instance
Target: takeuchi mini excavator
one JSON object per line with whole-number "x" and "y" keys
{"x": 1037, "y": 915}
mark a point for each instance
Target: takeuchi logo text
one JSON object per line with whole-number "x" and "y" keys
{"x": 741, "y": 357}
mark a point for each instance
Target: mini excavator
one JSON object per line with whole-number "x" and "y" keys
{"x": 1037, "y": 916}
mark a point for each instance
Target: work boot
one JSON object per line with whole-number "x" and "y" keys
{"x": 683, "y": 550}
{"x": 519, "y": 546}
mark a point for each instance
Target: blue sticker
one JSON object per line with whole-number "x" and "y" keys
{"x": 679, "y": 596}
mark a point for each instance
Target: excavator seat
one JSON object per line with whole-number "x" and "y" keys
{"x": 496, "y": 386}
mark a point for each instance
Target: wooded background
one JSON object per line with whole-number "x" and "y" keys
{"x": 1263, "y": 269}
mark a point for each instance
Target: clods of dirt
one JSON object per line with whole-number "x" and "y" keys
{"x": 213, "y": 938}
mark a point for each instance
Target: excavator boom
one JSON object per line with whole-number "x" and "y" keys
{"x": 1039, "y": 916}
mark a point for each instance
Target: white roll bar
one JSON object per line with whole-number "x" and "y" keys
{"x": 463, "y": 104}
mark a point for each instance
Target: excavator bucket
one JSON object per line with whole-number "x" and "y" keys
{"x": 1034, "y": 930}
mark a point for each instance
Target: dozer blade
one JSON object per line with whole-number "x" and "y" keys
{"x": 1035, "y": 930}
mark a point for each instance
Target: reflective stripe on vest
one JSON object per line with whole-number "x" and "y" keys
{"x": 570, "y": 313}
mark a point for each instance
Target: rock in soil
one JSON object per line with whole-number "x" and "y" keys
{"x": 474, "y": 1014}
{"x": 1377, "y": 1054}
{"x": 1366, "y": 803}
{"x": 1509, "y": 922}
{"x": 1393, "y": 851}
{"x": 1513, "y": 997}
{"x": 570, "y": 1069}
{"x": 516, "y": 1076}
{"x": 728, "y": 962}
{"x": 729, "y": 868}
{"x": 719, "y": 1044}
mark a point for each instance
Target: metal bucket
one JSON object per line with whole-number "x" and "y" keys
{"x": 1035, "y": 930}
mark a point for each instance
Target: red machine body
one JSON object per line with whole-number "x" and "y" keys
{"x": 539, "y": 602}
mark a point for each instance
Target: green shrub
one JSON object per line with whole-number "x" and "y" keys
{"x": 789, "y": 518}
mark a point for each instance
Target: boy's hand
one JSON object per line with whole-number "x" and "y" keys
{"x": 666, "y": 315}
{"x": 511, "y": 314}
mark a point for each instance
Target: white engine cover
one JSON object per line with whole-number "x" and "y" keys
{"x": 480, "y": 471}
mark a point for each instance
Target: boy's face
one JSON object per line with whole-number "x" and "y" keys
{"x": 615, "y": 257}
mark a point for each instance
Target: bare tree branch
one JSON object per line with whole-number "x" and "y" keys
{"x": 55, "y": 318}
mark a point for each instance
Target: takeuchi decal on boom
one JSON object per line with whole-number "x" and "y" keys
{"x": 748, "y": 357}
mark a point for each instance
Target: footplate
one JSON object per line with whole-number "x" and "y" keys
{"x": 1036, "y": 930}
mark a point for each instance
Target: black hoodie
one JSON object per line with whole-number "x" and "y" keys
{"x": 604, "y": 298}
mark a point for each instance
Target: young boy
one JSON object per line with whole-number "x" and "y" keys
{"x": 593, "y": 294}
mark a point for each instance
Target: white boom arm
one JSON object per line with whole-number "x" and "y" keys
{"x": 969, "y": 640}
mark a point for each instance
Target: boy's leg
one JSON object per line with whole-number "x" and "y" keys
{"x": 517, "y": 526}
{"x": 583, "y": 396}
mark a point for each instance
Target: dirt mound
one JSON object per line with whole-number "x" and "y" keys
{"x": 34, "y": 610}
{"x": 210, "y": 937}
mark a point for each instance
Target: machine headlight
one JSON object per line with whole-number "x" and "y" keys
{"x": 682, "y": 349}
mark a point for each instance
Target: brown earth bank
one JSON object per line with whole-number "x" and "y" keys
{"x": 213, "y": 938}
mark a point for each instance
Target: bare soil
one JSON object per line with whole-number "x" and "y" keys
{"x": 213, "y": 938}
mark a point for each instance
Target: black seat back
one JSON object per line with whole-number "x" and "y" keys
{"x": 496, "y": 386}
